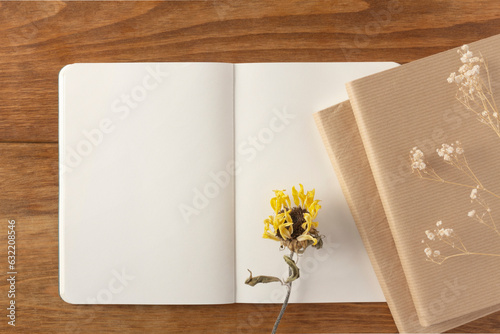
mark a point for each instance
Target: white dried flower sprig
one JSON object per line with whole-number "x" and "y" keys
{"x": 417, "y": 159}
{"x": 447, "y": 237}
{"x": 467, "y": 78}
{"x": 485, "y": 218}
{"x": 476, "y": 95}
{"x": 474, "y": 92}
{"x": 444, "y": 235}
{"x": 453, "y": 154}
{"x": 421, "y": 167}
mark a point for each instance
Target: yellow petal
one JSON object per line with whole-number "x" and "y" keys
{"x": 274, "y": 204}
{"x": 269, "y": 220}
{"x": 290, "y": 228}
{"x": 315, "y": 224}
{"x": 288, "y": 218}
{"x": 301, "y": 194}
{"x": 269, "y": 235}
{"x": 307, "y": 237}
{"x": 295, "y": 196}
{"x": 313, "y": 212}
{"x": 285, "y": 234}
{"x": 310, "y": 197}
{"x": 286, "y": 199}
{"x": 278, "y": 220}
{"x": 314, "y": 208}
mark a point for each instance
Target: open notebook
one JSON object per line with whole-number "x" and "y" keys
{"x": 166, "y": 171}
{"x": 435, "y": 245}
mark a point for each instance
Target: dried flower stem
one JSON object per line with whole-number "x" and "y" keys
{"x": 473, "y": 92}
{"x": 450, "y": 240}
{"x": 430, "y": 174}
{"x": 444, "y": 258}
{"x": 285, "y": 303}
{"x": 435, "y": 177}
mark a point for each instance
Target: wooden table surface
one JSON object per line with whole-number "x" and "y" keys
{"x": 38, "y": 38}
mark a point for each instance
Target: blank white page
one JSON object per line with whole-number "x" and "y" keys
{"x": 146, "y": 205}
{"x": 278, "y": 146}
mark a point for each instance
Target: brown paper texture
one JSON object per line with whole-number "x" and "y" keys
{"x": 413, "y": 105}
{"x": 340, "y": 135}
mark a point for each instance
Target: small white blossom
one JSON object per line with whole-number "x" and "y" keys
{"x": 447, "y": 152}
{"x": 467, "y": 78}
{"x": 473, "y": 194}
{"x": 430, "y": 235}
{"x": 495, "y": 114}
{"x": 485, "y": 113}
{"x": 417, "y": 159}
{"x": 437, "y": 253}
{"x": 418, "y": 155}
{"x": 428, "y": 252}
{"x": 451, "y": 78}
{"x": 439, "y": 223}
{"x": 471, "y": 213}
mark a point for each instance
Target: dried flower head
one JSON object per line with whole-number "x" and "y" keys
{"x": 293, "y": 226}
{"x": 417, "y": 159}
{"x": 428, "y": 251}
{"x": 474, "y": 88}
{"x": 450, "y": 152}
{"x": 468, "y": 74}
{"x": 473, "y": 193}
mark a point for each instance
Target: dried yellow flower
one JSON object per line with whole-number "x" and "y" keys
{"x": 293, "y": 226}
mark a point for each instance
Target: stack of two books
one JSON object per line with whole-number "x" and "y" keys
{"x": 430, "y": 229}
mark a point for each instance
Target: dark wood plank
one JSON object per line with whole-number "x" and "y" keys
{"x": 39, "y": 38}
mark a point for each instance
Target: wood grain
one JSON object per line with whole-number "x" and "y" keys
{"x": 38, "y": 38}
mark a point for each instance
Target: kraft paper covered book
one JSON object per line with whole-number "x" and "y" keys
{"x": 431, "y": 134}
{"x": 339, "y": 132}
{"x": 166, "y": 170}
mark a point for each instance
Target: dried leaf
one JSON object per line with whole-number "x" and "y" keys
{"x": 252, "y": 281}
